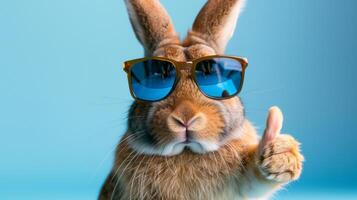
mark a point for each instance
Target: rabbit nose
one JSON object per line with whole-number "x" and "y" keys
{"x": 185, "y": 118}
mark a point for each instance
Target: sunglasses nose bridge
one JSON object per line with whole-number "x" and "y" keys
{"x": 185, "y": 67}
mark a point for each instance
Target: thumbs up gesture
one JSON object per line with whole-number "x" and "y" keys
{"x": 278, "y": 155}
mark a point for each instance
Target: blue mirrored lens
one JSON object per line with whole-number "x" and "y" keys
{"x": 152, "y": 80}
{"x": 219, "y": 77}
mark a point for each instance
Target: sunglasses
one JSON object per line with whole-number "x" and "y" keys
{"x": 154, "y": 78}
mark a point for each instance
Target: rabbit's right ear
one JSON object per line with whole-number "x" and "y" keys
{"x": 151, "y": 23}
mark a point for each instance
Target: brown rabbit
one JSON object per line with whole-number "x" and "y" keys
{"x": 227, "y": 160}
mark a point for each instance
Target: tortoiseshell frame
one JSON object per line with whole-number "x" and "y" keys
{"x": 188, "y": 66}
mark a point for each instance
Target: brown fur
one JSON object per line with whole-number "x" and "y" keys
{"x": 238, "y": 169}
{"x": 153, "y": 29}
{"x": 185, "y": 176}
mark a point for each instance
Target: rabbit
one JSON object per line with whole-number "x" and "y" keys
{"x": 228, "y": 160}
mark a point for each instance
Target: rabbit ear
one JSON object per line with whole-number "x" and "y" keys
{"x": 151, "y": 23}
{"x": 215, "y": 24}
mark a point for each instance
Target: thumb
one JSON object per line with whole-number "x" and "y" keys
{"x": 273, "y": 125}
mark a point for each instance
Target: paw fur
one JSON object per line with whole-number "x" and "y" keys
{"x": 281, "y": 159}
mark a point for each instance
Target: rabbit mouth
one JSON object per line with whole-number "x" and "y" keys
{"x": 178, "y": 145}
{"x": 174, "y": 147}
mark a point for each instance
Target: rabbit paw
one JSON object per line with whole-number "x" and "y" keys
{"x": 280, "y": 160}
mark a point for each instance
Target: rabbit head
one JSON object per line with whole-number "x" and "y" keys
{"x": 185, "y": 120}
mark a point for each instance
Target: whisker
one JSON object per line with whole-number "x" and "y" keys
{"x": 100, "y": 165}
{"x": 134, "y": 176}
{"x": 146, "y": 170}
{"x": 118, "y": 179}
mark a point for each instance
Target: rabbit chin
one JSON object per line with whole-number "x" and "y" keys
{"x": 175, "y": 147}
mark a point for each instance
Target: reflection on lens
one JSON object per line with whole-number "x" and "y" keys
{"x": 219, "y": 77}
{"x": 152, "y": 80}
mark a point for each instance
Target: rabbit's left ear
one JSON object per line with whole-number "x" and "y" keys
{"x": 215, "y": 24}
{"x": 151, "y": 23}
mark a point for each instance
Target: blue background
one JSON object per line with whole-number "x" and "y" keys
{"x": 64, "y": 96}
